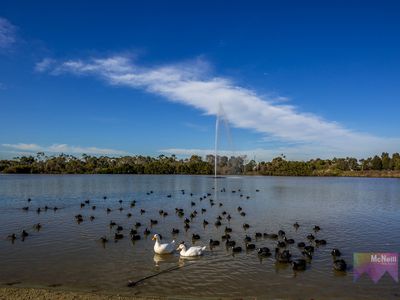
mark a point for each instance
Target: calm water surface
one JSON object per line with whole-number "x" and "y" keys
{"x": 356, "y": 215}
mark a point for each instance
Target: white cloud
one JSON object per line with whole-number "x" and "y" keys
{"x": 64, "y": 148}
{"x": 44, "y": 65}
{"x": 7, "y": 33}
{"x": 190, "y": 84}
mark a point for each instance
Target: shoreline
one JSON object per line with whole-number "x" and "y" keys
{"x": 345, "y": 174}
{"x": 44, "y": 293}
{"x": 14, "y": 293}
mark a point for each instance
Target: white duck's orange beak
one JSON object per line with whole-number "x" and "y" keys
{"x": 153, "y": 238}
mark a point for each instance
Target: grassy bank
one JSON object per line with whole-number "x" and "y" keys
{"x": 372, "y": 173}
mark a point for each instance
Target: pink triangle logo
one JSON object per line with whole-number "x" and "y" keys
{"x": 376, "y": 265}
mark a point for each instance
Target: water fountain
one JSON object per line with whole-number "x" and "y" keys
{"x": 216, "y": 146}
{"x": 220, "y": 116}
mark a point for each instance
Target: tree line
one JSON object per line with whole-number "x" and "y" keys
{"x": 196, "y": 165}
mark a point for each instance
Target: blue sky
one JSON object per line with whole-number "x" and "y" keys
{"x": 308, "y": 79}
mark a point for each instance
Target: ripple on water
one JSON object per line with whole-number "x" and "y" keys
{"x": 354, "y": 214}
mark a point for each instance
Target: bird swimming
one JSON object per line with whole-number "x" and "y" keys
{"x": 282, "y": 257}
{"x": 301, "y": 245}
{"x": 271, "y": 235}
{"x": 226, "y": 236}
{"x": 320, "y": 242}
{"x": 247, "y": 239}
{"x": 118, "y": 236}
{"x": 250, "y": 246}
{"x": 311, "y": 237}
{"x": 192, "y": 251}
{"x": 236, "y": 249}
{"x": 281, "y": 244}
{"x": 316, "y": 228}
{"x": 264, "y": 251}
{"x": 288, "y": 241}
{"x": 214, "y": 243}
{"x": 339, "y": 265}
{"x": 12, "y": 237}
{"x": 162, "y": 248}
{"x": 135, "y": 237}
{"x": 299, "y": 265}
{"x": 229, "y": 243}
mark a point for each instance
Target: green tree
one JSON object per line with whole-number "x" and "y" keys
{"x": 376, "y": 163}
{"x": 386, "y": 161}
{"x": 396, "y": 161}
{"x": 250, "y": 166}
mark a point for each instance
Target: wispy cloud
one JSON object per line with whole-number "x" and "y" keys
{"x": 44, "y": 65}
{"x": 191, "y": 84}
{"x": 7, "y": 33}
{"x": 63, "y": 148}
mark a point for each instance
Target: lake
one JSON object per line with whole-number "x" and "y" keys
{"x": 355, "y": 215}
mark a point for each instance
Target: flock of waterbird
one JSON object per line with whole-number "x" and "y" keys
{"x": 283, "y": 245}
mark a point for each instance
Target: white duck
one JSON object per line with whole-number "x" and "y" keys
{"x": 163, "y": 248}
{"x": 192, "y": 251}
